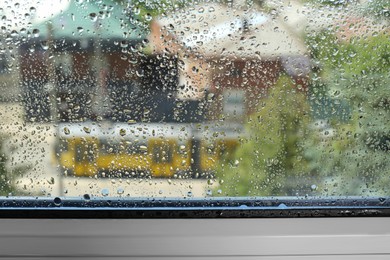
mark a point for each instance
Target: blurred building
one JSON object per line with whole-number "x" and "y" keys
{"x": 9, "y": 60}
{"x": 229, "y": 56}
{"x": 77, "y": 58}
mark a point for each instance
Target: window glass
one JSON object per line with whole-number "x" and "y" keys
{"x": 200, "y": 99}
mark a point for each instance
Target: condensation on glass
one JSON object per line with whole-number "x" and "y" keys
{"x": 194, "y": 98}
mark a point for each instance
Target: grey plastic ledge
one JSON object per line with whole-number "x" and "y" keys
{"x": 292, "y": 238}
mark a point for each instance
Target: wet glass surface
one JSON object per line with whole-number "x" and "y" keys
{"x": 194, "y": 99}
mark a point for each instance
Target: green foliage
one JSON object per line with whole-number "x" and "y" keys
{"x": 6, "y": 186}
{"x": 359, "y": 55}
{"x": 348, "y": 154}
{"x": 351, "y": 162}
{"x": 379, "y": 8}
{"x": 271, "y": 161}
{"x": 356, "y": 157}
{"x": 332, "y": 2}
{"x": 146, "y": 10}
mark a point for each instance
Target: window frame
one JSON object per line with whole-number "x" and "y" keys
{"x": 171, "y": 208}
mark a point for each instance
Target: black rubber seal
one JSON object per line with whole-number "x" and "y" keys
{"x": 119, "y": 208}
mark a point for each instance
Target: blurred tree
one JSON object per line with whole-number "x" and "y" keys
{"x": 6, "y": 183}
{"x": 355, "y": 157}
{"x": 270, "y": 162}
{"x": 332, "y": 2}
{"x": 379, "y": 8}
{"x": 146, "y": 10}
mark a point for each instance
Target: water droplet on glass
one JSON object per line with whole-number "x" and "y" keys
{"x": 35, "y": 33}
{"x": 57, "y": 201}
{"x": 86, "y": 197}
{"x": 148, "y": 17}
{"x": 122, "y": 132}
{"x": 44, "y": 45}
{"x": 282, "y": 206}
{"x": 51, "y": 180}
{"x": 105, "y": 192}
{"x": 93, "y": 17}
{"x": 87, "y": 129}
{"x": 236, "y": 163}
{"x": 66, "y": 131}
{"x": 140, "y": 73}
{"x": 181, "y": 63}
{"x": 120, "y": 191}
{"x": 210, "y": 97}
{"x": 136, "y": 10}
{"x": 313, "y": 187}
{"x": 80, "y": 29}
{"x": 14, "y": 33}
{"x": 124, "y": 44}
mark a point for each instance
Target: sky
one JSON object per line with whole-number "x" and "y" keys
{"x": 15, "y": 11}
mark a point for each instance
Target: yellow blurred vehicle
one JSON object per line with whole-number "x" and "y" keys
{"x": 159, "y": 150}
